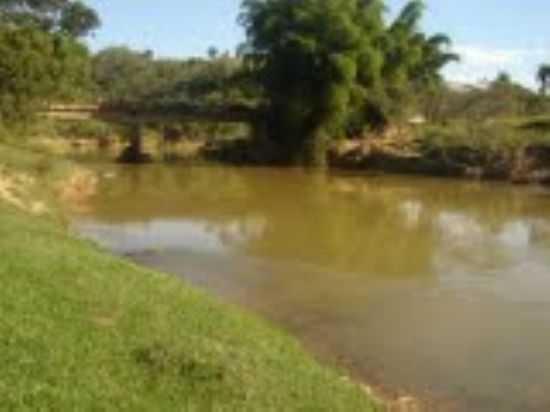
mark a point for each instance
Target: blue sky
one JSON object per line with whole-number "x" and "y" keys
{"x": 491, "y": 35}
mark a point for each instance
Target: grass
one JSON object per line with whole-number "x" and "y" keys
{"x": 83, "y": 330}
{"x": 493, "y": 137}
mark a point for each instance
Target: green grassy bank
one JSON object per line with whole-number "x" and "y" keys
{"x": 82, "y": 330}
{"x": 517, "y": 150}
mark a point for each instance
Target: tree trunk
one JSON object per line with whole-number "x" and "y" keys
{"x": 314, "y": 151}
{"x": 134, "y": 152}
{"x": 136, "y": 140}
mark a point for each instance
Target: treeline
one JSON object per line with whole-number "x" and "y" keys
{"x": 122, "y": 75}
{"x": 315, "y": 70}
{"x": 499, "y": 99}
{"x": 129, "y": 77}
{"x": 44, "y": 60}
{"x": 42, "y": 57}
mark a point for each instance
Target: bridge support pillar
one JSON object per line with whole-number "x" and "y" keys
{"x": 134, "y": 151}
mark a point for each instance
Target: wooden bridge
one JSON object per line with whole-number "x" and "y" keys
{"x": 165, "y": 114}
{"x": 161, "y": 113}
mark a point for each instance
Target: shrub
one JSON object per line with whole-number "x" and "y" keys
{"x": 84, "y": 129}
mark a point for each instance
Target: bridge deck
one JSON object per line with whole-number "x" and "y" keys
{"x": 154, "y": 113}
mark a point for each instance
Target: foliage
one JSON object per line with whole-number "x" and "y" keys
{"x": 78, "y": 20}
{"x": 122, "y": 74}
{"x": 128, "y": 76}
{"x": 305, "y": 55}
{"x": 413, "y": 60}
{"x": 125, "y": 76}
{"x": 41, "y": 58}
{"x": 482, "y": 138}
{"x": 499, "y": 119}
{"x": 37, "y": 66}
{"x": 328, "y": 64}
{"x": 69, "y": 17}
{"x": 487, "y": 138}
{"x": 322, "y": 69}
{"x": 501, "y": 98}
{"x": 84, "y": 129}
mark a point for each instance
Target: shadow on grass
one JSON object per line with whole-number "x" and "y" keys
{"x": 160, "y": 360}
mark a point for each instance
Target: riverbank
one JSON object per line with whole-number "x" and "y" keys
{"x": 81, "y": 329}
{"x": 517, "y": 151}
{"x": 514, "y": 150}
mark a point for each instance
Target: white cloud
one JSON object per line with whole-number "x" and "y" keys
{"x": 489, "y": 56}
{"x": 479, "y": 63}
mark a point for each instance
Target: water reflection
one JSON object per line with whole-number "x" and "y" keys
{"x": 428, "y": 285}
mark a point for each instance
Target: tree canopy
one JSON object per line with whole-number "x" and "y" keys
{"x": 61, "y": 16}
{"x": 130, "y": 76}
{"x": 329, "y": 66}
{"x": 42, "y": 58}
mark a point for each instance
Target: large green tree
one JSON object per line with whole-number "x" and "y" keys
{"x": 413, "y": 60}
{"x": 61, "y": 16}
{"x": 305, "y": 54}
{"x": 129, "y": 76}
{"x": 42, "y": 58}
{"x": 124, "y": 75}
{"x": 329, "y": 65}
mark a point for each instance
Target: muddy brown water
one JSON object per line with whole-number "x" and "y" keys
{"x": 436, "y": 288}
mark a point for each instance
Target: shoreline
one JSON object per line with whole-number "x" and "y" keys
{"x": 527, "y": 164}
{"x": 391, "y": 398}
{"x": 119, "y": 334}
{"x": 376, "y": 392}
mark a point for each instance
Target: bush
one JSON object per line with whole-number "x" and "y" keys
{"x": 84, "y": 129}
{"x": 490, "y": 137}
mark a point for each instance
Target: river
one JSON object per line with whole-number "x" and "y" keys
{"x": 431, "y": 287}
